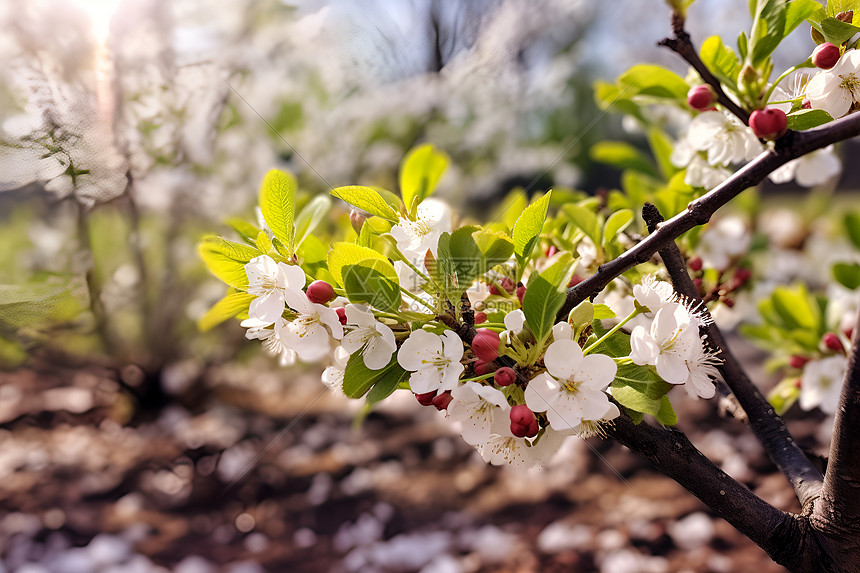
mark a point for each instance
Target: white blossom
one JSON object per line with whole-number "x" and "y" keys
{"x": 702, "y": 367}
{"x": 415, "y": 238}
{"x": 572, "y": 389}
{"x": 310, "y": 333}
{"x": 810, "y": 170}
{"x": 475, "y": 406}
{"x": 364, "y": 331}
{"x": 562, "y": 331}
{"x": 722, "y": 241}
{"x": 271, "y": 338}
{"x": 515, "y": 321}
{"x": 502, "y": 447}
{"x": 821, "y": 383}
{"x": 668, "y": 344}
{"x": 332, "y": 376}
{"x": 478, "y": 293}
{"x": 269, "y": 281}
{"x": 654, "y": 293}
{"x": 433, "y": 360}
{"x": 724, "y": 138}
{"x": 700, "y": 173}
{"x": 836, "y": 90}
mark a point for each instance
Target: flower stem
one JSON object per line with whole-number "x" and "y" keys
{"x": 637, "y": 311}
{"x": 478, "y": 378}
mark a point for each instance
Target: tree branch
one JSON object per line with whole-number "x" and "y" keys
{"x": 790, "y": 146}
{"x": 767, "y": 426}
{"x": 683, "y": 46}
{"x": 837, "y": 513}
{"x": 777, "y": 532}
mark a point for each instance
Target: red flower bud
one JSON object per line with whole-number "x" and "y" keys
{"x": 551, "y": 250}
{"x": 480, "y": 317}
{"x": 768, "y": 123}
{"x": 506, "y": 283}
{"x": 341, "y": 314}
{"x": 574, "y": 280}
{"x": 797, "y": 361}
{"x": 742, "y": 275}
{"x": 320, "y": 292}
{"x": 485, "y": 345}
{"x": 505, "y": 376}
{"x": 825, "y": 56}
{"x": 480, "y": 367}
{"x": 832, "y": 342}
{"x": 521, "y": 292}
{"x": 695, "y": 264}
{"x": 425, "y": 399}
{"x": 697, "y": 282}
{"x": 357, "y": 219}
{"x": 523, "y": 422}
{"x": 442, "y": 400}
{"x": 701, "y": 97}
{"x": 728, "y": 301}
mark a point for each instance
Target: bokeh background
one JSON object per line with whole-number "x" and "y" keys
{"x": 130, "y": 441}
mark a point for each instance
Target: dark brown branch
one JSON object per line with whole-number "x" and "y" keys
{"x": 788, "y": 147}
{"x": 837, "y": 513}
{"x": 767, "y": 426}
{"x": 777, "y": 532}
{"x": 683, "y": 46}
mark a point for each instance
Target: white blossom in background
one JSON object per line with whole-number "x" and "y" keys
{"x": 269, "y": 282}
{"x": 723, "y": 241}
{"x": 700, "y": 173}
{"x": 475, "y": 407}
{"x": 837, "y": 89}
{"x": 654, "y": 294}
{"x": 821, "y": 383}
{"x": 271, "y": 338}
{"x": 415, "y": 238}
{"x": 332, "y": 376}
{"x": 363, "y": 331}
{"x": 310, "y": 333}
{"x": 724, "y": 138}
{"x": 433, "y": 360}
{"x": 502, "y": 447}
{"x": 573, "y": 387}
{"x": 814, "y": 168}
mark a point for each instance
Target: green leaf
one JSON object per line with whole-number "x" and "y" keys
{"x": 420, "y": 172}
{"x": 837, "y": 31}
{"x": 721, "y": 60}
{"x": 794, "y": 307}
{"x": 847, "y": 274}
{"x": 387, "y": 383}
{"x": 545, "y": 296}
{"x": 247, "y": 232}
{"x": 798, "y": 11}
{"x": 358, "y": 378}
{"x": 834, "y": 7}
{"x": 616, "y": 223}
{"x": 586, "y": 220}
{"x": 529, "y": 225}
{"x": 311, "y": 216}
{"x": 225, "y": 309}
{"x": 226, "y": 260}
{"x": 807, "y": 118}
{"x": 662, "y": 148}
{"x": 768, "y": 30}
{"x": 313, "y": 250}
{"x": 852, "y": 227}
{"x": 621, "y": 156}
{"x": 602, "y": 311}
{"x": 263, "y": 242}
{"x": 635, "y": 400}
{"x": 278, "y": 204}
{"x": 655, "y": 81}
{"x": 373, "y": 282}
{"x": 666, "y": 416}
{"x": 511, "y": 208}
{"x": 473, "y": 251}
{"x": 784, "y": 395}
{"x": 367, "y": 199}
{"x": 343, "y": 254}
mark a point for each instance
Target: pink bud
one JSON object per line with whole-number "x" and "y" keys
{"x": 506, "y": 283}
{"x": 695, "y": 264}
{"x": 320, "y": 292}
{"x": 341, "y": 314}
{"x": 505, "y": 376}
{"x": 825, "y": 56}
{"x": 425, "y": 399}
{"x": 768, "y": 123}
{"x": 797, "y": 361}
{"x": 574, "y": 280}
{"x": 442, "y": 400}
{"x": 480, "y": 367}
{"x": 832, "y": 342}
{"x": 551, "y": 250}
{"x": 701, "y": 97}
{"x": 485, "y": 345}
{"x": 523, "y": 422}
{"x": 697, "y": 282}
{"x": 806, "y": 104}
{"x": 521, "y": 292}
{"x": 728, "y": 301}
{"x": 480, "y": 317}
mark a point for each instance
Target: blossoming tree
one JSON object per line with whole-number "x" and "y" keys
{"x": 556, "y": 319}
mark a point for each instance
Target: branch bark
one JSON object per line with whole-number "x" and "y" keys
{"x": 837, "y": 513}
{"x": 765, "y": 423}
{"x": 790, "y": 146}
{"x": 683, "y": 46}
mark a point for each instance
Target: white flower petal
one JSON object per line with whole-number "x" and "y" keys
{"x": 562, "y": 358}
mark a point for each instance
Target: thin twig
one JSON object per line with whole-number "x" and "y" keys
{"x": 765, "y": 423}
{"x": 683, "y": 46}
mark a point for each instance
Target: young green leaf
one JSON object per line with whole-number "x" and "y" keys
{"x": 358, "y": 378}
{"x": 666, "y": 416}
{"x": 851, "y": 223}
{"x": 621, "y": 156}
{"x": 847, "y": 274}
{"x": 226, "y": 260}
{"x": 721, "y": 60}
{"x": 373, "y": 282}
{"x": 225, "y": 309}
{"x": 807, "y": 119}
{"x": 528, "y": 227}
{"x": 616, "y": 223}
{"x": 768, "y": 30}
{"x": 420, "y": 171}
{"x": 247, "y": 232}
{"x": 343, "y": 254}
{"x": 311, "y": 216}
{"x": 367, "y": 199}
{"x": 655, "y": 81}
{"x": 586, "y": 220}
{"x": 278, "y": 204}
{"x": 545, "y": 295}
{"x": 387, "y": 383}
